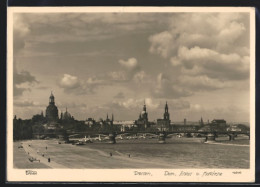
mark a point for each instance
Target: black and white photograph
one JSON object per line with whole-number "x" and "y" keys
{"x": 149, "y": 94}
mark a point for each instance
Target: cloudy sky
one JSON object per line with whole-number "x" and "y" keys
{"x": 99, "y": 63}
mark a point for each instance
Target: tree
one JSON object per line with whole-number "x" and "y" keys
{"x": 38, "y": 119}
{"x": 22, "y": 129}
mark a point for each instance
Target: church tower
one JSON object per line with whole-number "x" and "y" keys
{"x": 201, "y": 121}
{"x": 165, "y": 123}
{"x": 112, "y": 119}
{"x": 144, "y": 108}
{"x": 51, "y": 100}
{"x": 166, "y": 115}
{"x": 52, "y": 110}
{"x": 144, "y": 114}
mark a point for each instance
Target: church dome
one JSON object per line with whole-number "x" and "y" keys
{"x": 66, "y": 115}
{"x": 52, "y": 113}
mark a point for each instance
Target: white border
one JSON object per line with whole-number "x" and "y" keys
{"x": 125, "y": 175}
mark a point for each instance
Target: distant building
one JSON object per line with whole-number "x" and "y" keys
{"x": 52, "y": 126}
{"x": 238, "y": 128}
{"x": 89, "y": 122}
{"x": 186, "y": 122}
{"x": 66, "y": 116}
{"x": 164, "y": 124}
{"x": 124, "y": 125}
{"x": 185, "y": 125}
{"x": 109, "y": 121}
{"x": 234, "y": 128}
{"x": 52, "y": 110}
{"x": 215, "y": 125}
{"x": 201, "y": 121}
{"x": 143, "y": 118}
{"x": 182, "y": 128}
{"x": 219, "y": 122}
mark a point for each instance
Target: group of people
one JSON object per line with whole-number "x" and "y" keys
{"x": 112, "y": 154}
{"x": 49, "y": 159}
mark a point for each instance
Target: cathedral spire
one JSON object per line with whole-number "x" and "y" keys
{"x": 166, "y": 107}
{"x": 51, "y": 100}
{"x": 166, "y": 115}
{"x": 144, "y": 108}
{"x": 201, "y": 121}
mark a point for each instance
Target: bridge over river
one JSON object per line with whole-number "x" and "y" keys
{"x": 209, "y": 135}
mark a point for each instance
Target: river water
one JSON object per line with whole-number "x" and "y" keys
{"x": 138, "y": 153}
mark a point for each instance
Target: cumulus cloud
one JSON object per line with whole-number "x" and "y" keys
{"x": 69, "y": 81}
{"x": 208, "y": 59}
{"x": 201, "y": 82}
{"x": 167, "y": 88}
{"x": 72, "y": 84}
{"x": 23, "y": 76}
{"x": 162, "y": 43}
{"x": 85, "y": 26}
{"x": 131, "y": 63}
{"x": 140, "y": 77}
{"x": 23, "y": 81}
{"x": 198, "y": 59}
{"x": 118, "y": 76}
{"x": 132, "y": 103}
{"x": 21, "y": 31}
{"x": 152, "y": 104}
{"x": 214, "y": 64}
{"x": 131, "y": 71}
{"x": 222, "y": 28}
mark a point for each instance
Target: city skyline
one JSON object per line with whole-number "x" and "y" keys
{"x": 111, "y": 62}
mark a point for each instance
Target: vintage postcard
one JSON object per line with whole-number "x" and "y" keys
{"x": 131, "y": 94}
